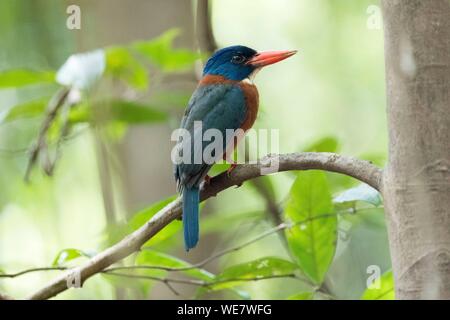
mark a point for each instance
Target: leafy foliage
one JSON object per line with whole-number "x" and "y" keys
{"x": 143, "y": 216}
{"x": 20, "y": 77}
{"x": 263, "y": 267}
{"x": 67, "y": 255}
{"x": 128, "y": 112}
{"x": 27, "y": 109}
{"x": 312, "y": 239}
{"x": 312, "y": 236}
{"x": 385, "y": 290}
{"x": 302, "y": 296}
{"x": 155, "y": 258}
{"x": 362, "y": 192}
{"x": 161, "y": 52}
{"x": 123, "y": 65}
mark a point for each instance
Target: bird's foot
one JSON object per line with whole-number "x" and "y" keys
{"x": 231, "y": 168}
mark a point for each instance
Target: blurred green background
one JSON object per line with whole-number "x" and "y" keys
{"x": 333, "y": 89}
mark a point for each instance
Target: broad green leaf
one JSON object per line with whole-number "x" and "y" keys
{"x": 22, "y": 77}
{"x": 218, "y": 168}
{"x": 260, "y": 268}
{"x": 117, "y": 110}
{"x": 326, "y": 144}
{"x": 385, "y": 291}
{"x": 140, "y": 218}
{"x": 302, "y": 296}
{"x": 134, "y": 112}
{"x": 161, "y": 52}
{"x": 27, "y": 109}
{"x": 362, "y": 192}
{"x": 68, "y": 254}
{"x": 155, "y": 258}
{"x": 82, "y": 70}
{"x": 121, "y": 64}
{"x": 312, "y": 240}
{"x": 143, "y": 216}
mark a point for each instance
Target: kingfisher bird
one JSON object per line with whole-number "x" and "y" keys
{"x": 225, "y": 98}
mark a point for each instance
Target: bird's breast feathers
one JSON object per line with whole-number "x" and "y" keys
{"x": 249, "y": 90}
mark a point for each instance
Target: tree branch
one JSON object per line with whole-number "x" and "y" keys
{"x": 54, "y": 105}
{"x": 205, "y": 36}
{"x": 359, "y": 169}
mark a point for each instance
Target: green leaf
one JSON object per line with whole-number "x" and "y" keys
{"x": 260, "y": 268}
{"x": 67, "y": 255}
{"x": 362, "y": 192}
{"x": 140, "y": 218}
{"x": 384, "y": 292}
{"x": 27, "y": 109}
{"x": 218, "y": 168}
{"x": 302, "y": 296}
{"x": 160, "y": 52}
{"x": 117, "y": 110}
{"x": 121, "y": 64}
{"x": 82, "y": 70}
{"x": 133, "y": 112}
{"x": 155, "y": 258}
{"x": 313, "y": 239}
{"x": 326, "y": 144}
{"x": 22, "y": 77}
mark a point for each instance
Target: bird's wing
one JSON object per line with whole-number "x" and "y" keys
{"x": 219, "y": 107}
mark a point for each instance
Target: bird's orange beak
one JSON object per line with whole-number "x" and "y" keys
{"x": 265, "y": 58}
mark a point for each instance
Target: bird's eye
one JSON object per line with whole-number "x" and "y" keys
{"x": 238, "y": 59}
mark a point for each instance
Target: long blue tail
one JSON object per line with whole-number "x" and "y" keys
{"x": 191, "y": 200}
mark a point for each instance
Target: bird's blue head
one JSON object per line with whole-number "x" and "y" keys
{"x": 239, "y": 62}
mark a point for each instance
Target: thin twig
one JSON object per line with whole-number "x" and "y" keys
{"x": 64, "y": 132}
{"x": 20, "y": 273}
{"x": 202, "y": 283}
{"x": 53, "y": 108}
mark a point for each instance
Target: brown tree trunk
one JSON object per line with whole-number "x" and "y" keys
{"x": 416, "y": 184}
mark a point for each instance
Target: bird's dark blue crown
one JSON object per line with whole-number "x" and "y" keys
{"x": 230, "y": 62}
